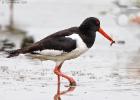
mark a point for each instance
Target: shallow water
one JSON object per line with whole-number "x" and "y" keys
{"x": 103, "y": 73}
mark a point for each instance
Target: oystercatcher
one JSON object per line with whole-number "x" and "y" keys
{"x": 65, "y": 45}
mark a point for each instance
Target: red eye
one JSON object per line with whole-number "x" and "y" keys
{"x": 97, "y": 22}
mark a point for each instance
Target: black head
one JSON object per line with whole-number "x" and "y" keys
{"x": 90, "y": 24}
{"x": 89, "y": 27}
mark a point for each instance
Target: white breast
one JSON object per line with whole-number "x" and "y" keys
{"x": 80, "y": 47}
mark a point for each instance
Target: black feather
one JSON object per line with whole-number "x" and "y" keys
{"x": 13, "y": 53}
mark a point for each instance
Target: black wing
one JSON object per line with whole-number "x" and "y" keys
{"x": 57, "y": 41}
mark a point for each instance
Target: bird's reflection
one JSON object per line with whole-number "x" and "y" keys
{"x": 59, "y": 93}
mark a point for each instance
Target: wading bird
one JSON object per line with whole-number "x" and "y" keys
{"x": 65, "y": 45}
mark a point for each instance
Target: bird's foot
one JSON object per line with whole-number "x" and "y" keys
{"x": 72, "y": 83}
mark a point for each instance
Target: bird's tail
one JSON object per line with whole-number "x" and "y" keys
{"x": 14, "y": 53}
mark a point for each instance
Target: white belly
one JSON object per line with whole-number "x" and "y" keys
{"x": 57, "y": 55}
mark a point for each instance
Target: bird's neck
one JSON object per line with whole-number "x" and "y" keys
{"x": 88, "y": 39}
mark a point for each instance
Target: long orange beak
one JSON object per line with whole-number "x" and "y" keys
{"x": 106, "y": 35}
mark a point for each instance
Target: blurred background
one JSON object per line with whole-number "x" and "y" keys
{"x": 102, "y": 71}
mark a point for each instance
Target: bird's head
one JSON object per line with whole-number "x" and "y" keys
{"x": 91, "y": 25}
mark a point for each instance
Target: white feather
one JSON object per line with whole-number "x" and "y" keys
{"x": 60, "y": 55}
{"x": 51, "y": 52}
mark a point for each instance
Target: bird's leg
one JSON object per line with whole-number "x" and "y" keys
{"x": 58, "y": 78}
{"x": 59, "y": 93}
{"x": 59, "y": 73}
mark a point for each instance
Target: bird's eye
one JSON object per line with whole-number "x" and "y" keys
{"x": 97, "y": 22}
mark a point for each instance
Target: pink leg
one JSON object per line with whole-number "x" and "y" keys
{"x": 59, "y": 73}
{"x": 58, "y": 76}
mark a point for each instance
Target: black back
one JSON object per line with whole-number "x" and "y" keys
{"x": 56, "y": 41}
{"x": 59, "y": 41}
